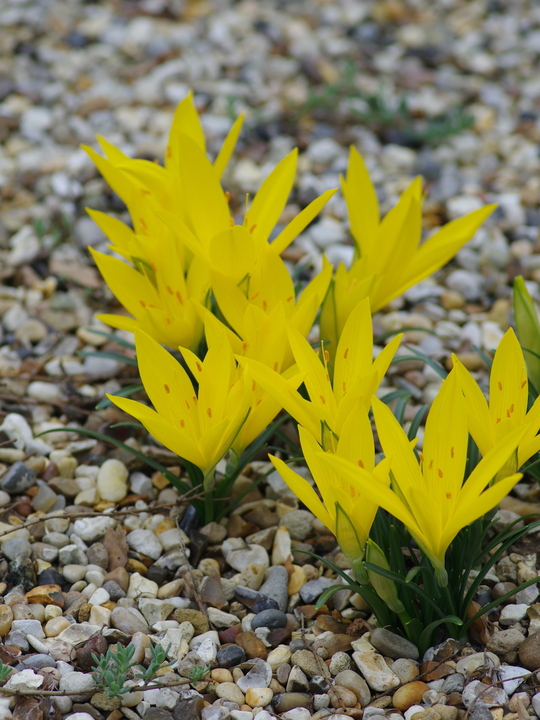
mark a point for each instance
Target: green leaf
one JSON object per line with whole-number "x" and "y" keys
{"x": 108, "y": 356}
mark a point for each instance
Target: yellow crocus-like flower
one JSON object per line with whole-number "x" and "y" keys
{"x": 489, "y": 423}
{"x": 158, "y": 296}
{"x": 265, "y": 341}
{"x": 356, "y": 377}
{"x": 343, "y": 507}
{"x": 389, "y": 256}
{"x": 146, "y": 187}
{"x": 198, "y": 426}
{"x": 433, "y": 498}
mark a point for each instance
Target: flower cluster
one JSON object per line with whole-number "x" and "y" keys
{"x": 197, "y": 279}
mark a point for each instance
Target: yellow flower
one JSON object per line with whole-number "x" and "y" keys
{"x": 146, "y": 187}
{"x": 356, "y": 376}
{"x": 265, "y": 341}
{"x": 389, "y": 256}
{"x": 343, "y": 508}
{"x": 433, "y": 498}
{"x": 528, "y": 330}
{"x": 490, "y": 423}
{"x": 199, "y": 427}
{"x": 160, "y": 298}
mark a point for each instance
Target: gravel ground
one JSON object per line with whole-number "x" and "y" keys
{"x": 95, "y": 548}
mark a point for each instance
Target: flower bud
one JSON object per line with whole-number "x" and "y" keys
{"x": 384, "y": 587}
{"x": 527, "y": 330}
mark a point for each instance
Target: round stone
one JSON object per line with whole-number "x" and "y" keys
{"x": 269, "y": 619}
{"x": 112, "y": 480}
{"x": 230, "y": 655}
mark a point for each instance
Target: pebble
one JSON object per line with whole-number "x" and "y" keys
{"x": 409, "y": 694}
{"x": 469, "y": 664}
{"x": 392, "y": 645}
{"x": 112, "y": 480}
{"x": 491, "y": 696}
{"x": 259, "y": 676}
{"x": 259, "y": 697}
{"x": 145, "y": 542}
{"x": 270, "y": 619}
{"x": 126, "y": 621}
{"x": 376, "y": 672}
{"x": 351, "y": 680}
{"x": 275, "y": 586}
{"x": 231, "y": 692}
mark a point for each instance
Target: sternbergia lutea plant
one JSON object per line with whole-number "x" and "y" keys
{"x": 389, "y": 255}
{"x": 196, "y": 275}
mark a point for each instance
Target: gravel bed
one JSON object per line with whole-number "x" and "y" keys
{"x": 96, "y": 549}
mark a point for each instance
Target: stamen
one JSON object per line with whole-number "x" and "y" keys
{"x": 227, "y": 196}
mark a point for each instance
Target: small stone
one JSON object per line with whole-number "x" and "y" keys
{"x": 405, "y": 669}
{"x": 409, "y": 694}
{"x": 469, "y": 664}
{"x": 275, "y": 587}
{"x": 281, "y": 549}
{"x": 512, "y": 677}
{"x": 112, "y": 480}
{"x": 28, "y": 627}
{"x": 25, "y": 680}
{"x": 299, "y": 523}
{"x": 312, "y": 589}
{"x": 278, "y": 656}
{"x": 18, "y": 478}
{"x": 55, "y": 626}
{"x": 16, "y": 546}
{"x": 511, "y": 614}
{"x": 352, "y": 680}
{"x": 230, "y": 655}
{"x": 340, "y": 661}
{"x": 77, "y": 682}
{"x": 505, "y": 641}
{"x": 221, "y": 619}
{"x": 145, "y": 542}
{"x": 252, "y": 646}
{"x": 231, "y": 692}
{"x": 269, "y": 619}
{"x": 78, "y": 633}
{"x": 197, "y": 619}
{"x": 392, "y": 645}
{"x": 126, "y": 621}
{"x": 259, "y": 697}
{"x": 342, "y": 697}
{"x": 259, "y": 676}
{"x": 529, "y": 652}
{"x": 93, "y": 528}
{"x": 297, "y": 680}
{"x": 287, "y": 701}
{"x": 490, "y": 695}
{"x": 376, "y": 672}
{"x": 307, "y": 662}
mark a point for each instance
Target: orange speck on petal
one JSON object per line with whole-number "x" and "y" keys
{"x": 264, "y": 305}
{"x": 452, "y": 451}
{"x": 323, "y": 400}
{"x": 199, "y": 366}
{"x": 195, "y": 399}
{"x": 259, "y": 401}
{"x": 170, "y": 290}
{"x": 187, "y": 404}
{"x": 499, "y": 384}
{"x": 254, "y": 295}
{"x": 360, "y": 463}
{"x": 345, "y": 353}
{"x": 523, "y": 384}
{"x": 168, "y": 151}
{"x": 167, "y": 388}
{"x": 275, "y": 366}
{"x": 179, "y": 297}
{"x": 497, "y": 421}
{"x": 344, "y": 387}
{"x": 439, "y": 472}
{"x": 182, "y": 423}
{"x": 289, "y": 298}
{"x": 143, "y": 225}
{"x": 448, "y": 495}
{"x": 431, "y": 464}
{"x": 512, "y": 408}
{"x": 209, "y": 412}
{"x": 252, "y": 228}
{"x": 253, "y": 385}
{"x": 244, "y": 346}
{"x": 231, "y": 222}
{"x": 143, "y": 304}
{"x": 508, "y": 413}
{"x": 144, "y": 191}
{"x": 227, "y": 196}
{"x": 168, "y": 321}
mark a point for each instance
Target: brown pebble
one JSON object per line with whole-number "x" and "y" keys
{"x": 432, "y": 670}
{"x": 120, "y": 576}
{"x": 283, "y": 672}
{"x": 529, "y": 652}
{"x": 46, "y": 595}
{"x": 84, "y": 612}
{"x": 454, "y": 698}
{"x": 342, "y": 697}
{"x": 409, "y": 694}
{"x": 501, "y": 588}
{"x": 251, "y": 645}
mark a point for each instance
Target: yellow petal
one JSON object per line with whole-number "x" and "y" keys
{"x": 228, "y": 146}
{"x": 173, "y": 438}
{"x": 167, "y": 384}
{"x": 186, "y": 122}
{"x": 316, "y": 379}
{"x": 301, "y": 221}
{"x": 478, "y": 415}
{"x": 118, "y": 232}
{"x": 272, "y": 196}
{"x": 303, "y": 490}
{"x": 508, "y": 388}
{"x": 362, "y": 203}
